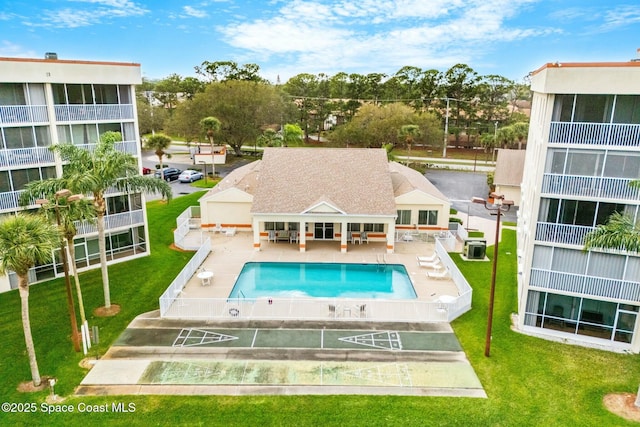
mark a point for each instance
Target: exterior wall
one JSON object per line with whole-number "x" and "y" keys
{"x": 510, "y": 193}
{"x": 33, "y": 117}
{"x": 565, "y": 294}
{"x": 226, "y": 214}
{"x": 416, "y": 201}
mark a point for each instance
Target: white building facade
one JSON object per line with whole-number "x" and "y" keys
{"x": 583, "y": 151}
{"x": 49, "y": 101}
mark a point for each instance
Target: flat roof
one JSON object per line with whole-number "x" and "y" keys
{"x": 69, "y": 61}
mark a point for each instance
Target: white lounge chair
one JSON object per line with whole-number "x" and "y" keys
{"x": 230, "y": 231}
{"x": 431, "y": 258}
{"x": 435, "y": 264}
{"x": 438, "y": 274}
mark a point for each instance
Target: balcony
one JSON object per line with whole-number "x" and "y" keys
{"x": 23, "y": 114}
{"x": 25, "y": 157}
{"x": 621, "y": 290}
{"x": 9, "y": 200}
{"x": 130, "y": 147}
{"x": 562, "y": 233}
{"x": 589, "y": 186}
{"x": 93, "y": 112}
{"x": 620, "y": 135}
{"x": 119, "y": 220}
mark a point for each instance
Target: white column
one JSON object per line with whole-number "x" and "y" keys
{"x": 302, "y": 237}
{"x": 343, "y": 237}
{"x": 391, "y": 232}
{"x": 256, "y": 234}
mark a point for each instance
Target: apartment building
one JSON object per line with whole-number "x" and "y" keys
{"x": 49, "y": 101}
{"x": 583, "y": 151}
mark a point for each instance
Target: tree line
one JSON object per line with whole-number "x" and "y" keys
{"x": 343, "y": 109}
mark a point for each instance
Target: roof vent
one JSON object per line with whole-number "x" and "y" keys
{"x": 637, "y": 58}
{"x": 50, "y": 55}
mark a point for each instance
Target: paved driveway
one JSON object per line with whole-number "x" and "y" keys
{"x": 460, "y": 187}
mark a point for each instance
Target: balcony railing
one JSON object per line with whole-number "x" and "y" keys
{"x": 589, "y": 186}
{"x": 9, "y": 200}
{"x": 120, "y": 220}
{"x": 93, "y": 112}
{"x": 130, "y": 147}
{"x": 562, "y": 233}
{"x": 623, "y": 290}
{"x": 25, "y": 156}
{"x": 20, "y": 114}
{"x": 622, "y": 135}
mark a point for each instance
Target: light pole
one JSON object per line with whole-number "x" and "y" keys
{"x": 495, "y": 141}
{"x": 66, "y": 194}
{"x": 496, "y": 207}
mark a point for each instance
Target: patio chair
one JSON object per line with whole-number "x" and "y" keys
{"x": 363, "y": 310}
{"x": 363, "y": 236}
{"x": 431, "y": 258}
{"x": 332, "y": 310}
{"x": 230, "y": 231}
{"x": 438, "y": 274}
{"x": 435, "y": 264}
{"x": 272, "y": 236}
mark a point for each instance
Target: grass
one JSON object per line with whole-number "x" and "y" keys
{"x": 529, "y": 382}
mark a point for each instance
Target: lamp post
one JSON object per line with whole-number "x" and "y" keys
{"x": 75, "y": 335}
{"x": 497, "y": 207}
{"x": 495, "y": 141}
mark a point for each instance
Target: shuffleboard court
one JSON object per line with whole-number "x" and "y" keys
{"x": 387, "y": 340}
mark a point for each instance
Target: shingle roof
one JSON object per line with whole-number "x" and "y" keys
{"x": 405, "y": 180}
{"x": 243, "y": 178}
{"x": 355, "y": 181}
{"x": 509, "y": 167}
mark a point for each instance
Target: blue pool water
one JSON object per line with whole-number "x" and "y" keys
{"x": 328, "y": 280}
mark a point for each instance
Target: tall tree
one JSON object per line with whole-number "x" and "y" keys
{"x": 94, "y": 172}
{"x": 520, "y": 131}
{"x": 620, "y": 232}
{"x": 220, "y": 71}
{"x": 25, "y": 241}
{"x": 409, "y": 133}
{"x": 211, "y": 126}
{"x": 159, "y": 143}
{"x": 69, "y": 213}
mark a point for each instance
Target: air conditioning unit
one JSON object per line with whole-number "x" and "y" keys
{"x": 476, "y": 250}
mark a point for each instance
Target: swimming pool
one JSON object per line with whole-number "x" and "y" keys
{"x": 323, "y": 280}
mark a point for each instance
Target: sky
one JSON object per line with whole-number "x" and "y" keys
{"x": 284, "y": 38}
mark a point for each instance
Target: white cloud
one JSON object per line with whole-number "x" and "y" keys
{"x": 194, "y": 13}
{"x": 74, "y": 18}
{"x": 622, "y": 16}
{"x": 12, "y": 50}
{"x": 383, "y": 34}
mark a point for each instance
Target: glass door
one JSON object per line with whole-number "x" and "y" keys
{"x": 323, "y": 231}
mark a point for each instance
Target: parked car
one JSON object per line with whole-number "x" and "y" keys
{"x": 146, "y": 171}
{"x": 170, "y": 174}
{"x": 190, "y": 176}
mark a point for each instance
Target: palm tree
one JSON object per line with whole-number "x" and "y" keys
{"x": 520, "y": 131}
{"x": 620, "y": 232}
{"x": 27, "y": 240}
{"x": 159, "y": 143}
{"x": 409, "y": 133}
{"x": 94, "y": 172}
{"x": 211, "y": 125}
{"x": 70, "y": 213}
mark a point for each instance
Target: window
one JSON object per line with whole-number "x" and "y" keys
{"x": 376, "y": 228}
{"x": 117, "y": 204}
{"x": 12, "y": 94}
{"x": 404, "y": 217}
{"x": 428, "y": 217}
{"x": 627, "y": 109}
{"x": 622, "y": 165}
{"x": 274, "y": 226}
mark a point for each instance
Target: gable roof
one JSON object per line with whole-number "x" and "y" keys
{"x": 352, "y": 180}
{"x": 405, "y": 180}
{"x": 243, "y": 178}
{"x": 509, "y": 167}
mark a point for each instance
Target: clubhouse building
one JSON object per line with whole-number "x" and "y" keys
{"x": 342, "y": 195}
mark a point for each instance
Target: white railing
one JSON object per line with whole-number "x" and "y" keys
{"x": 562, "y": 233}
{"x": 623, "y": 135}
{"x": 185, "y": 222}
{"x": 93, "y": 112}
{"x": 25, "y": 156}
{"x": 23, "y": 114}
{"x": 462, "y": 303}
{"x": 124, "y": 219}
{"x": 9, "y": 200}
{"x": 623, "y": 290}
{"x": 589, "y": 186}
{"x": 334, "y": 309}
{"x": 130, "y": 147}
{"x": 174, "y": 290}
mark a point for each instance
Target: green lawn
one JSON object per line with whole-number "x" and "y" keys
{"x": 529, "y": 382}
